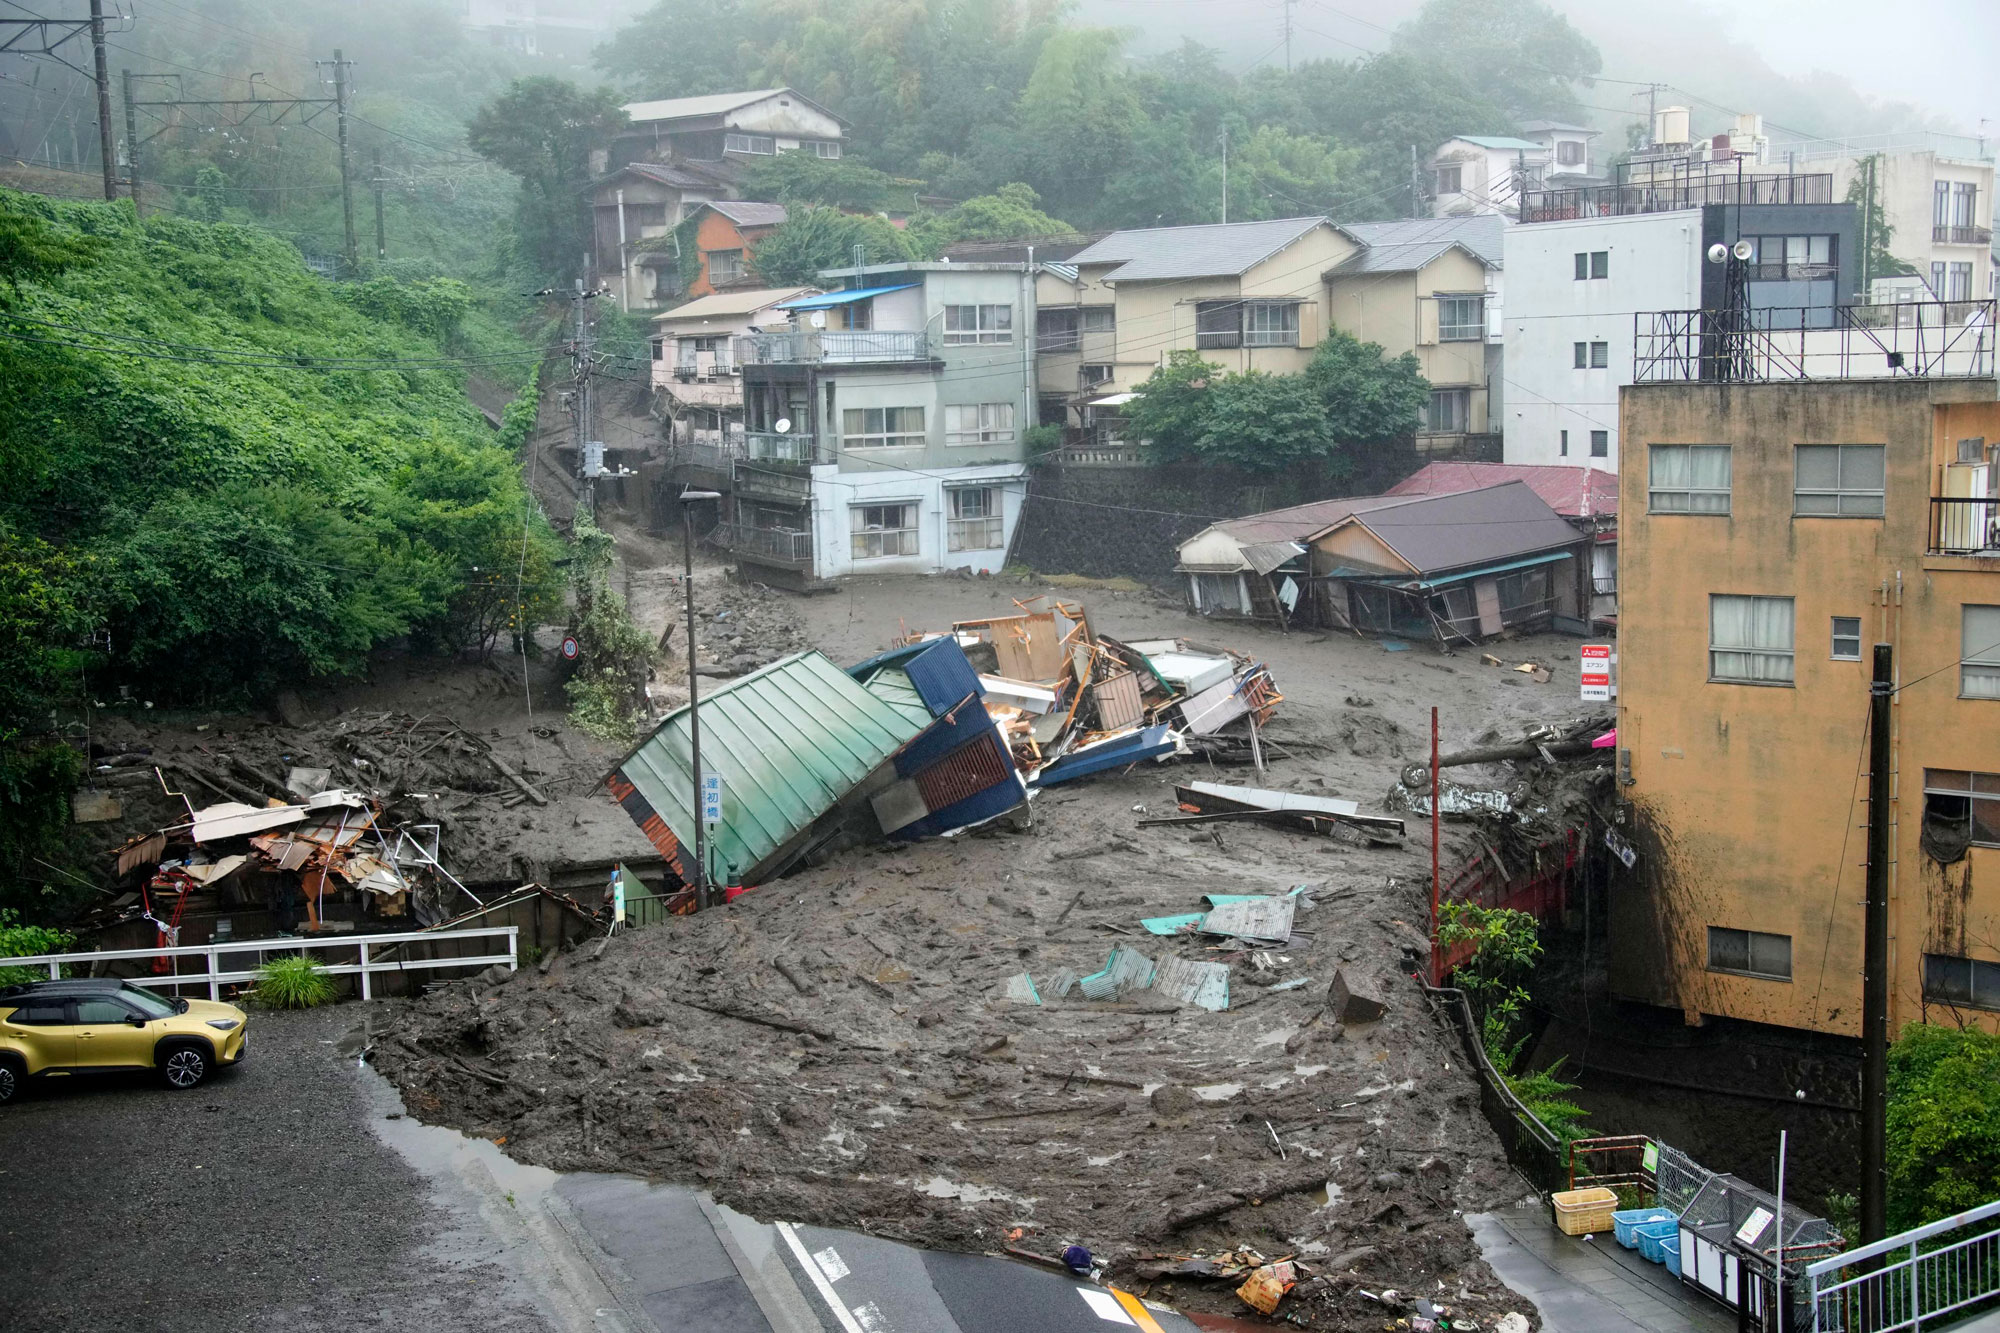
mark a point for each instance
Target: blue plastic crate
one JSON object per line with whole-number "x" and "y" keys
{"x": 1672, "y": 1246}
{"x": 1657, "y": 1238}
{"x": 1623, "y": 1222}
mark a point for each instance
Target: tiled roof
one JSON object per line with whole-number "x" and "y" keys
{"x": 745, "y": 213}
{"x": 1225, "y": 249}
{"x": 1404, "y": 247}
{"x": 1573, "y": 492}
{"x": 1434, "y": 533}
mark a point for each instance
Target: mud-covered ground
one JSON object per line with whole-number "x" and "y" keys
{"x": 837, "y": 1047}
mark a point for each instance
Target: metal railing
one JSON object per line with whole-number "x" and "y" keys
{"x": 1663, "y": 187}
{"x": 1965, "y": 526}
{"x": 1904, "y": 340}
{"x": 1927, "y": 1277}
{"x": 1952, "y": 235}
{"x": 763, "y": 446}
{"x": 215, "y": 975}
{"x": 821, "y": 346}
{"x": 788, "y": 485}
{"x": 783, "y": 546}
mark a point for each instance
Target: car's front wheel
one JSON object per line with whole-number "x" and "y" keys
{"x": 11, "y": 1080}
{"x": 184, "y": 1065}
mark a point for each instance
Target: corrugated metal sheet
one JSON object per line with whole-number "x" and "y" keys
{"x": 1573, "y": 492}
{"x": 1204, "y": 251}
{"x": 789, "y": 741}
{"x": 1434, "y": 533}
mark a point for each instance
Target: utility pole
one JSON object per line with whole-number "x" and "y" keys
{"x": 1288, "y": 34}
{"x": 1875, "y": 960}
{"x": 1225, "y": 173}
{"x": 340, "y": 68}
{"x": 131, "y": 142}
{"x": 1416, "y": 185}
{"x": 581, "y": 364}
{"x": 103, "y": 81}
{"x": 381, "y": 246}
{"x": 1867, "y": 230}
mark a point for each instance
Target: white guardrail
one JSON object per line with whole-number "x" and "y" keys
{"x": 214, "y": 975}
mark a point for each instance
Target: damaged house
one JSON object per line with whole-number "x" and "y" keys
{"x": 1455, "y": 568}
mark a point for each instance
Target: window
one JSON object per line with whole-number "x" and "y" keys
{"x": 1600, "y": 444}
{"x": 1838, "y": 481}
{"x": 979, "y": 423}
{"x": 1940, "y": 204}
{"x": 40, "y": 1014}
{"x": 1218, "y": 324}
{"x": 881, "y": 531}
{"x": 1569, "y": 153}
{"x": 762, "y": 144}
{"x": 1448, "y": 180}
{"x": 882, "y": 427}
{"x": 1966, "y": 803}
{"x": 1562, "y": 448}
{"x": 1967, "y": 981}
{"x": 975, "y": 519}
{"x": 1847, "y": 638}
{"x": 1750, "y": 953}
{"x": 1979, "y": 653}
{"x": 1582, "y": 355}
{"x": 725, "y": 266}
{"x": 1094, "y": 375}
{"x": 1687, "y": 479}
{"x": 1937, "y": 280}
{"x": 1270, "y": 324}
{"x": 1100, "y": 318}
{"x": 97, "y": 1010}
{"x": 659, "y": 349}
{"x": 1958, "y": 285}
{"x": 825, "y": 148}
{"x": 1749, "y": 640}
{"x": 1448, "y": 411}
{"x": 1461, "y": 318}
{"x": 1057, "y": 329}
{"x": 1600, "y": 355}
{"x": 1600, "y": 263}
{"x": 1964, "y": 204}
{"x": 979, "y": 324}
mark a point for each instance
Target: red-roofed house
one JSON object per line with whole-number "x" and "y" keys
{"x": 1586, "y": 496}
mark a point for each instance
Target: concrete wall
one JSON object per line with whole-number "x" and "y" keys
{"x": 838, "y": 493}
{"x": 1747, "y": 799}
{"x": 1654, "y": 265}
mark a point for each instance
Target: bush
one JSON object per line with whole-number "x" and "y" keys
{"x": 293, "y": 982}
{"x": 1944, "y": 1122}
{"x": 19, "y": 941}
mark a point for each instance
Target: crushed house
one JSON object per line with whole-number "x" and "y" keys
{"x": 1457, "y": 567}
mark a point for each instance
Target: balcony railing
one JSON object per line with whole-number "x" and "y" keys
{"x": 1962, "y": 235}
{"x": 763, "y": 446}
{"x": 1663, "y": 188}
{"x": 833, "y": 347}
{"x": 1968, "y": 526}
{"x": 780, "y": 546}
{"x": 785, "y": 485}
{"x": 720, "y": 367}
{"x": 1907, "y": 340}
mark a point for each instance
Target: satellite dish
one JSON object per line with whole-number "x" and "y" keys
{"x": 782, "y": 425}
{"x": 817, "y": 319}
{"x": 1743, "y": 250}
{"x": 1717, "y": 253}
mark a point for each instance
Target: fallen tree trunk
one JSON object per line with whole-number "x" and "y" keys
{"x": 1419, "y": 775}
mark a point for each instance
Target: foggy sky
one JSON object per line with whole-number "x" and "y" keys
{"x": 1940, "y": 55}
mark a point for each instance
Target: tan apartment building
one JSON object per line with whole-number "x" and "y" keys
{"x": 1260, "y": 296}
{"x": 1771, "y": 532}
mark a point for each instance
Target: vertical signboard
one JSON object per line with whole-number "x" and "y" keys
{"x": 1596, "y": 672}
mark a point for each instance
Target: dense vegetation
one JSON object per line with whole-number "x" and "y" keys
{"x": 220, "y": 474}
{"x": 1944, "y": 1123}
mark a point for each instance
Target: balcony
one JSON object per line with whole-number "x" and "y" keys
{"x": 787, "y": 548}
{"x": 1942, "y": 235}
{"x": 1663, "y": 188}
{"x": 1968, "y": 526}
{"x": 1907, "y": 340}
{"x": 783, "y": 485}
{"x": 833, "y": 347}
{"x": 764, "y": 446}
{"x": 704, "y": 369}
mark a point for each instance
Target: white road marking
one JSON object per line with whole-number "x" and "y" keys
{"x": 831, "y": 1264}
{"x": 1106, "y": 1306}
{"x": 872, "y": 1318}
{"x": 819, "y": 1281}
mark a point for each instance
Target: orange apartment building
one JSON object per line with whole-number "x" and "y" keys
{"x": 1770, "y": 533}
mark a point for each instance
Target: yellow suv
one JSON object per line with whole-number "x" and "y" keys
{"x": 54, "y": 1029}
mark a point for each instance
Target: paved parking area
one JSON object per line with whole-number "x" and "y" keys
{"x": 260, "y": 1200}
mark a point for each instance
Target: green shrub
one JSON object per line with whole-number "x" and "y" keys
{"x": 293, "y": 982}
{"x": 19, "y": 941}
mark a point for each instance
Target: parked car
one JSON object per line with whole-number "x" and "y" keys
{"x": 57, "y": 1029}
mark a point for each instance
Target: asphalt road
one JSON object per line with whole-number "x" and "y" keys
{"x": 292, "y": 1193}
{"x": 259, "y": 1200}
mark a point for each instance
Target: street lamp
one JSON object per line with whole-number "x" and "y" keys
{"x": 703, "y": 896}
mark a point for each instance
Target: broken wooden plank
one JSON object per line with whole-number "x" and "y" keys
{"x": 507, "y": 771}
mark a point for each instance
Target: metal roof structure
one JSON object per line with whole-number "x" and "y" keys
{"x": 713, "y": 104}
{"x": 1406, "y": 246}
{"x": 789, "y": 740}
{"x": 1500, "y": 141}
{"x": 747, "y": 213}
{"x": 1436, "y": 533}
{"x": 725, "y": 305}
{"x": 1572, "y": 491}
{"x": 1224, "y": 249}
{"x": 828, "y": 299}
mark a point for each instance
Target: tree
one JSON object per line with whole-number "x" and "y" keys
{"x": 1171, "y": 412}
{"x": 1876, "y": 233}
{"x": 1519, "y": 54}
{"x": 801, "y": 178}
{"x": 1944, "y": 1122}
{"x": 1262, "y": 422}
{"x": 1076, "y": 118}
{"x": 543, "y": 129}
{"x": 1011, "y": 212}
{"x": 820, "y": 238}
{"x": 1369, "y": 398}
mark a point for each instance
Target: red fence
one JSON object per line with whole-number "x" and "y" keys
{"x": 1541, "y": 890}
